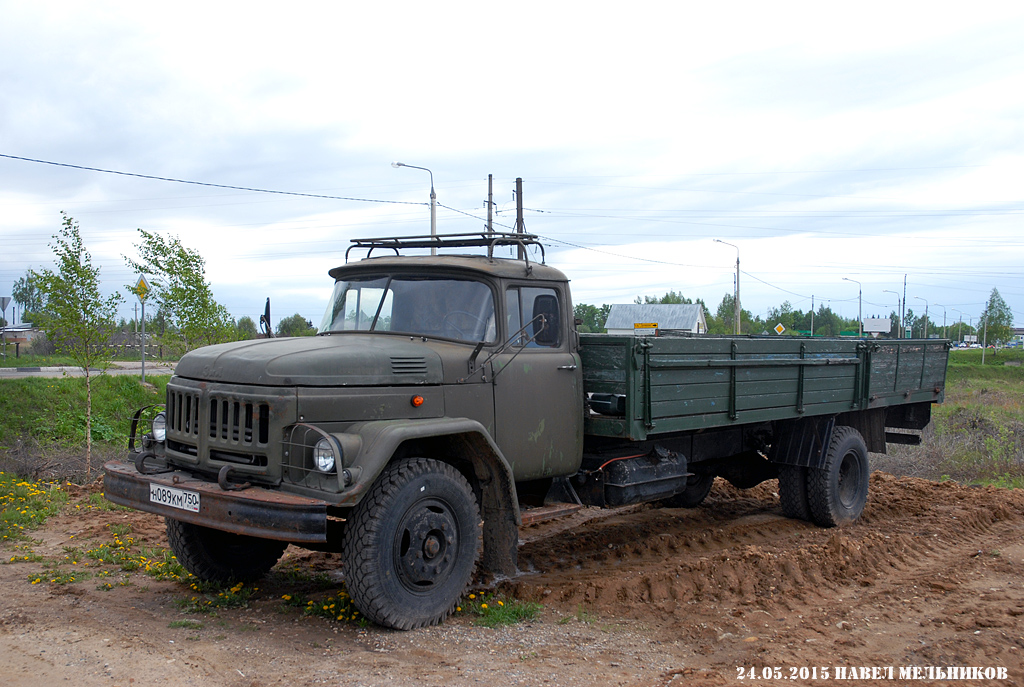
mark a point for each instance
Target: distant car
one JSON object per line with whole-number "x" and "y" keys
{"x": 974, "y": 345}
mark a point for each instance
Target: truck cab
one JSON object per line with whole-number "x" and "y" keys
{"x": 455, "y": 372}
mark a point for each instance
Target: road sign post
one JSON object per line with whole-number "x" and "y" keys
{"x": 4, "y": 302}
{"x": 142, "y": 290}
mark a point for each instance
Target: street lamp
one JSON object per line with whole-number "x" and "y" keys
{"x": 940, "y": 305}
{"x": 960, "y": 326}
{"x": 433, "y": 200}
{"x": 899, "y": 332}
{"x": 736, "y": 300}
{"x": 925, "y": 314}
{"x": 860, "y": 319}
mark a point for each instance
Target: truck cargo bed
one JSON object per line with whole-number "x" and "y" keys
{"x": 677, "y": 383}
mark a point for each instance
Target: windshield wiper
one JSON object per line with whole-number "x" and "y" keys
{"x": 501, "y": 349}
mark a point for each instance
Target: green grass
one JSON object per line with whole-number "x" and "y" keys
{"x": 25, "y": 505}
{"x": 187, "y": 624}
{"x": 972, "y": 357}
{"x": 211, "y": 596}
{"x": 334, "y": 607}
{"x": 495, "y": 611}
{"x": 51, "y": 411}
{"x": 979, "y": 429}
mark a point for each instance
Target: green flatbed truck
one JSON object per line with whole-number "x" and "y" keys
{"x": 445, "y": 396}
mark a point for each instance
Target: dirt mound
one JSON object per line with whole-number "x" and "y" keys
{"x": 930, "y": 576}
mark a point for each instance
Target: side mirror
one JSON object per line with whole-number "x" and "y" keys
{"x": 268, "y": 331}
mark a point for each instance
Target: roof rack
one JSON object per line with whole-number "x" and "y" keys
{"x": 473, "y": 240}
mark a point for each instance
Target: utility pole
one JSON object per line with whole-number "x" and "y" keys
{"x": 737, "y": 317}
{"x": 812, "y": 314}
{"x": 736, "y": 296}
{"x": 984, "y": 339}
{"x": 520, "y": 223}
{"x": 490, "y": 203}
{"x": 903, "y": 316}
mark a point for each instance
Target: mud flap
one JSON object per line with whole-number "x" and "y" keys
{"x": 802, "y": 442}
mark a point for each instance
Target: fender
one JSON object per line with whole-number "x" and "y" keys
{"x": 464, "y": 443}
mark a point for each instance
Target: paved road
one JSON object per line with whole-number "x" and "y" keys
{"x": 119, "y": 368}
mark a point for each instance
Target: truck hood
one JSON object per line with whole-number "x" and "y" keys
{"x": 340, "y": 360}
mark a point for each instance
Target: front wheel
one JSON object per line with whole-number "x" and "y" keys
{"x": 838, "y": 490}
{"x": 216, "y": 556}
{"x": 412, "y": 543}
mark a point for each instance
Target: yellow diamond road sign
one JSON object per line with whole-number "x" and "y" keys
{"x": 779, "y": 328}
{"x": 142, "y": 288}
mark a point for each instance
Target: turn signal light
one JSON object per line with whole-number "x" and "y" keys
{"x": 417, "y": 401}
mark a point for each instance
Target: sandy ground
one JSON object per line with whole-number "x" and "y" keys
{"x": 930, "y": 577}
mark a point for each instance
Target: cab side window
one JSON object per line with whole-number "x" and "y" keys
{"x": 537, "y": 313}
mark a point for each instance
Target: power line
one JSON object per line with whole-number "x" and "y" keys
{"x": 204, "y": 183}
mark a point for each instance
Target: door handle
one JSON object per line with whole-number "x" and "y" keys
{"x": 566, "y": 367}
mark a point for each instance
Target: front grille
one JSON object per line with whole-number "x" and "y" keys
{"x": 238, "y": 422}
{"x": 408, "y": 365}
{"x": 230, "y": 421}
{"x": 183, "y": 412}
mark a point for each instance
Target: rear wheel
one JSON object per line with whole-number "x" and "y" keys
{"x": 412, "y": 543}
{"x": 838, "y": 490}
{"x": 793, "y": 492}
{"x": 217, "y": 556}
{"x": 697, "y": 489}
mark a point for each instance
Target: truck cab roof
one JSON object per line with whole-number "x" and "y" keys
{"x": 489, "y": 264}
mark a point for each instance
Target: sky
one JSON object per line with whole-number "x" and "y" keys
{"x": 833, "y": 147}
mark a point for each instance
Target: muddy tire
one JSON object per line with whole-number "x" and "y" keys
{"x": 217, "y": 556}
{"x": 411, "y": 544}
{"x": 697, "y": 489}
{"x": 793, "y": 492}
{"x": 838, "y": 490}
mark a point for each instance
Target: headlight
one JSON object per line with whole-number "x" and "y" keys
{"x": 159, "y": 427}
{"x": 323, "y": 455}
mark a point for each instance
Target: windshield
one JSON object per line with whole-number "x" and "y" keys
{"x": 459, "y": 309}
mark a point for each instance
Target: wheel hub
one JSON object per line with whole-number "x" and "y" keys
{"x": 847, "y": 491}
{"x": 426, "y": 545}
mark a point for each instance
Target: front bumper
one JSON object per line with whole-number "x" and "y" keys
{"x": 255, "y": 511}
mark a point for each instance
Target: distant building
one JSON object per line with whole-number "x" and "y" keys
{"x": 20, "y": 333}
{"x": 649, "y": 318}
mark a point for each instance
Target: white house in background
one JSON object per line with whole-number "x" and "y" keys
{"x": 646, "y": 319}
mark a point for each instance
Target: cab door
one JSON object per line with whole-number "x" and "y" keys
{"x": 538, "y": 385}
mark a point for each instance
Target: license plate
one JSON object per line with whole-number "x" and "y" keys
{"x": 175, "y": 498}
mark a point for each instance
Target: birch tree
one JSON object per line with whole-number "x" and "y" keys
{"x": 79, "y": 320}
